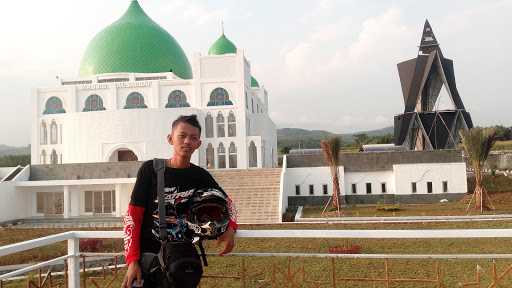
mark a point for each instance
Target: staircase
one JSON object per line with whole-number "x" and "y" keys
{"x": 255, "y": 193}
{"x": 13, "y": 174}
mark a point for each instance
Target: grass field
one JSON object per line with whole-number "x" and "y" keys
{"x": 502, "y": 145}
{"x": 454, "y": 271}
{"x": 502, "y": 202}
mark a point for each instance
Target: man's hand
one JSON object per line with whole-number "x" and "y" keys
{"x": 228, "y": 240}
{"x": 133, "y": 276}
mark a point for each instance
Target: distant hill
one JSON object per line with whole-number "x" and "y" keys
{"x": 9, "y": 150}
{"x": 293, "y": 137}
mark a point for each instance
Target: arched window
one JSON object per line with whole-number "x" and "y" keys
{"x": 93, "y": 103}
{"x": 43, "y": 157}
{"x": 54, "y": 106}
{"x": 208, "y": 124}
{"x": 44, "y": 134}
{"x": 246, "y": 101}
{"x": 210, "y": 157}
{"x": 220, "y": 126}
{"x": 232, "y": 155}
{"x": 252, "y": 105}
{"x": 219, "y": 97}
{"x": 221, "y": 155}
{"x": 54, "y": 159}
{"x": 177, "y": 98}
{"x": 231, "y": 124}
{"x": 135, "y": 101}
{"x": 253, "y": 155}
{"x": 53, "y": 133}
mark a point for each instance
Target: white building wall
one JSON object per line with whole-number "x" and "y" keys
{"x": 316, "y": 176}
{"x": 376, "y": 178}
{"x": 94, "y": 136}
{"x": 15, "y": 205}
{"x": 454, "y": 173}
{"x": 398, "y": 181}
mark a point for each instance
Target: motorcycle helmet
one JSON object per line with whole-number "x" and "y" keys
{"x": 208, "y": 213}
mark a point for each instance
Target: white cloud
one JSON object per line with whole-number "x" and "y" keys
{"x": 193, "y": 12}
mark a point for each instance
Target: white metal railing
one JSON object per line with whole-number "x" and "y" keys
{"x": 73, "y": 237}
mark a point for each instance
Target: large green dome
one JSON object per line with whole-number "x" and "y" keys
{"x": 222, "y": 46}
{"x": 137, "y": 44}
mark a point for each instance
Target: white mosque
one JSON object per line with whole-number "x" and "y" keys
{"x": 134, "y": 80}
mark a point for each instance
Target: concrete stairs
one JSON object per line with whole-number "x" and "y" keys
{"x": 255, "y": 193}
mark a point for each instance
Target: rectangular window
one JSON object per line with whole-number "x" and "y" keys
{"x": 445, "y": 186}
{"x": 413, "y": 187}
{"x": 429, "y": 187}
{"x": 100, "y": 202}
{"x": 383, "y": 187}
{"x": 324, "y": 187}
{"x": 354, "y": 188}
{"x": 311, "y": 190}
{"x": 297, "y": 189}
{"x": 40, "y": 203}
{"x": 97, "y": 202}
{"x": 368, "y": 188}
{"x": 50, "y": 203}
{"x": 107, "y": 202}
{"x": 88, "y": 202}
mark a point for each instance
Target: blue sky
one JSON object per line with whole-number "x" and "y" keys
{"x": 327, "y": 64}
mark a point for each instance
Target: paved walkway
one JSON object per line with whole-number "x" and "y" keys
{"x": 78, "y": 222}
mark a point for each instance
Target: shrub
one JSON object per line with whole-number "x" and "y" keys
{"x": 91, "y": 245}
{"x": 496, "y": 183}
{"x": 388, "y": 207}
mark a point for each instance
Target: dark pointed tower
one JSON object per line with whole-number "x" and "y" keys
{"x": 425, "y": 123}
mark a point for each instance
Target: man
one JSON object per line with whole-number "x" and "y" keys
{"x": 181, "y": 177}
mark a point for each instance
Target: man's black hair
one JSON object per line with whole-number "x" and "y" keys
{"x": 189, "y": 119}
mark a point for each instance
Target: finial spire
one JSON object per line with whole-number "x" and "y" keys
{"x": 222, "y": 26}
{"x": 428, "y": 39}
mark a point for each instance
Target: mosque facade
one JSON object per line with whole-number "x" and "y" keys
{"x": 134, "y": 80}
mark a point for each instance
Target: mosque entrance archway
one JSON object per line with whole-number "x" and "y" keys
{"x": 123, "y": 154}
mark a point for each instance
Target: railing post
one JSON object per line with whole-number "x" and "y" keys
{"x": 73, "y": 263}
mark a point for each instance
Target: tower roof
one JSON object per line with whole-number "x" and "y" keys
{"x": 222, "y": 46}
{"x": 428, "y": 39}
{"x": 134, "y": 43}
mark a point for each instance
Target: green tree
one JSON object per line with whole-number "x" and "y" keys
{"x": 477, "y": 143}
{"x": 285, "y": 150}
{"x": 331, "y": 148}
{"x": 14, "y": 160}
{"x": 360, "y": 140}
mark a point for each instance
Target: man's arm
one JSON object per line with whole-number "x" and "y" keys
{"x": 133, "y": 226}
{"x": 132, "y": 231}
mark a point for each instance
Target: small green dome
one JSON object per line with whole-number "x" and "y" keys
{"x": 222, "y": 46}
{"x": 254, "y": 82}
{"x": 134, "y": 44}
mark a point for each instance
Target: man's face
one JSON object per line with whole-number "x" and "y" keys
{"x": 185, "y": 139}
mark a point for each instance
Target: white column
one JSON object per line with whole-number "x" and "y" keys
{"x": 118, "y": 188}
{"x": 75, "y": 202}
{"x": 73, "y": 263}
{"x": 67, "y": 202}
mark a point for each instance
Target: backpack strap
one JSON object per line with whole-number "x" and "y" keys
{"x": 159, "y": 166}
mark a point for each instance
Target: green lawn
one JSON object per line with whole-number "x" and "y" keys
{"x": 502, "y": 145}
{"x": 502, "y": 202}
